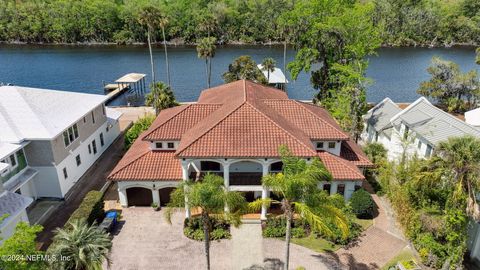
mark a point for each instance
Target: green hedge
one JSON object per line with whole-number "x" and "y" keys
{"x": 193, "y": 229}
{"x": 362, "y": 204}
{"x": 276, "y": 227}
{"x": 90, "y": 209}
{"x": 137, "y": 128}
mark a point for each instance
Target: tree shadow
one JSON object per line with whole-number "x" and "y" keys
{"x": 332, "y": 261}
{"x": 268, "y": 264}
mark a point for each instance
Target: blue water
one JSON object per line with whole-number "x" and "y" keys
{"x": 396, "y": 72}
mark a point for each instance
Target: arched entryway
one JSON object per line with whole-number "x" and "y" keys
{"x": 164, "y": 194}
{"x": 139, "y": 196}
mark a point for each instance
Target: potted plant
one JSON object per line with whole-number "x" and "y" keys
{"x": 155, "y": 206}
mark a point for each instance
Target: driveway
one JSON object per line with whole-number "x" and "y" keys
{"x": 144, "y": 240}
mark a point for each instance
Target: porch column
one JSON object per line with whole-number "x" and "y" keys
{"x": 185, "y": 178}
{"x": 263, "y": 215}
{"x": 333, "y": 187}
{"x": 226, "y": 181}
{"x": 122, "y": 195}
{"x": 156, "y": 196}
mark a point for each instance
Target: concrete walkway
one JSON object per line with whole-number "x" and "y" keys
{"x": 379, "y": 243}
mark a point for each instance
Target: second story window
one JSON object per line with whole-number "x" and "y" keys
{"x": 13, "y": 161}
{"x": 170, "y": 145}
{"x": 70, "y": 135}
{"x": 405, "y": 133}
{"x": 331, "y": 145}
{"x": 78, "y": 160}
{"x": 159, "y": 145}
{"x": 102, "y": 142}
{"x": 65, "y": 174}
{"x": 89, "y": 149}
{"x": 94, "y": 146}
{"x": 93, "y": 117}
{"x": 319, "y": 145}
{"x": 428, "y": 152}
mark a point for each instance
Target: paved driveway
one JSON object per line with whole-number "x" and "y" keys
{"x": 147, "y": 241}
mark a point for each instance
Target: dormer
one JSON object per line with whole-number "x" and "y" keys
{"x": 164, "y": 145}
{"x": 329, "y": 146}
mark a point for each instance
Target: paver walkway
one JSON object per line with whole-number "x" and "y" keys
{"x": 379, "y": 243}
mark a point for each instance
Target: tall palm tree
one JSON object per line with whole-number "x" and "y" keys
{"x": 211, "y": 198}
{"x": 458, "y": 161}
{"x": 149, "y": 18}
{"x": 206, "y": 50}
{"x": 86, "y": 246}
{"x": 297, "y": 186}
{"x": 163, "y": 22}
{"x": 268, "y": 65}
{"x": 160, "y": 97}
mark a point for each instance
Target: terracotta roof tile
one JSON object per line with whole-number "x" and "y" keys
{"x": 174, "y": 127}
{"x": 315, "y": 123}
{"x": 154, "y": 165}
{"x": 341, "y": 169}
{"x": 246, "y": 132}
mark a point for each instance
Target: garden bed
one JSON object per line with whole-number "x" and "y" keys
{"x": 193, "y": 229}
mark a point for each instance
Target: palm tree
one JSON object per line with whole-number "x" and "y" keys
{"x": 206, "y": 50}
{"x": 297, "y": 185}
{"x": 244, "y": 68}
{"x": 160, "y": 97}
{"x": 268, "y": 65}
{"x": 211, "y": 198}
{"x": 458, "y": 161}
{"x": 163, "y": 22}
{"x": 86, "y": 246}
{"x": 149, "y": 18}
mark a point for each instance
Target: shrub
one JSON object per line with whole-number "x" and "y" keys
{"x": 193, "y": 229}
{"x": 137, "y": 128}
{"x": 91, "y": 208}
{"x": 362, "y": 204}
{"x": 277, "y": 226}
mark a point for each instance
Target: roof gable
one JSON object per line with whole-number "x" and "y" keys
{"x": 379, "y": 116}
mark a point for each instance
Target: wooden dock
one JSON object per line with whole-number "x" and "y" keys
{"x": 128, "y": 82}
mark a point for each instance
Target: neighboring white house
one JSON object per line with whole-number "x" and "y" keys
{"x": 48, "y": 140}
{"x": 473, "y": 117}
{"x": 417, "y": 129}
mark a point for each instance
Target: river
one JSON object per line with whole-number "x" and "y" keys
{"x": 395, "y": 72}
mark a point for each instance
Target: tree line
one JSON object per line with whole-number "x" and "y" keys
{"x": 400, "y": 23}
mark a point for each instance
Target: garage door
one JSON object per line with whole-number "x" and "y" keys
{"x": 138, "y": 196}
{"x": 165, "y": 195}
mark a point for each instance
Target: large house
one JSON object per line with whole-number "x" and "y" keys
{"x": 235, "y": 130}
{"x": 48, "y": 140}
{"x": 417, "y": 129}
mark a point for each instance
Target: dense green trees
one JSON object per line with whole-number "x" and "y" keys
{"x": 420, "y": 22}
{"x": 451, "y": 88}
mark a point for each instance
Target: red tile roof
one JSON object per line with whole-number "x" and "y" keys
{"x": 237, "y": 120}
{"x": 341, "y": 169}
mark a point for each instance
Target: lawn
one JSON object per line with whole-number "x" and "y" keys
{"x": 404, "y": 255}
{"x": 321, "y": 245}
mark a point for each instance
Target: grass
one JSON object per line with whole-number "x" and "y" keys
{"x": 319, "y": 245}
{"x": 404, "y": 255}
{"x": 365, "y": 223}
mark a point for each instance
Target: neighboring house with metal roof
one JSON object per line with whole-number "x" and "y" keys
{"x": 235, "y": 130}
{"x": 473, "y": 117}
{"x": 48, "y": 140}
{"x": 417, "y": 129}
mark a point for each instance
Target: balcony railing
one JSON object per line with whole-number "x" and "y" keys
{"x": 22, "y": 164}
{"x": 246, "y": 179}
